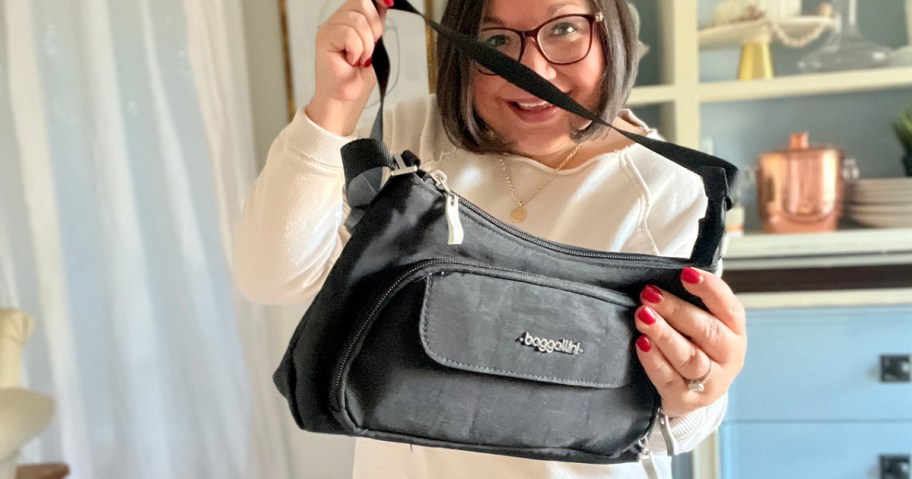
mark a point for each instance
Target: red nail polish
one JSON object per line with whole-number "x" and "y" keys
{"x": 646, "y": 315}
{"x": 690, "y": 275}
{"x": 651, "y": 294}
{"x": 389, "y": 3}
{"x": 367, "y": 63}
{"x": 644, "y": 344}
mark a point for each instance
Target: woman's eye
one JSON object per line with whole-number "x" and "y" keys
{"x": 563, "y": 29}
{"x": 496, "y": 41}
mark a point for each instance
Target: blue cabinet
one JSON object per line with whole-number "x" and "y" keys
{"x": 811, "y": 450}
{"x": 810, "y": 401}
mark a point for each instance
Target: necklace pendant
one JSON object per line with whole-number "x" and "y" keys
{"x": 519, "y": 214}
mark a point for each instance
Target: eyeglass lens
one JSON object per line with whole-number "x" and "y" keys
{"x": 561, "y": 41}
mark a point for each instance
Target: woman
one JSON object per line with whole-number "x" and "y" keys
{"x": 527, "y": 163}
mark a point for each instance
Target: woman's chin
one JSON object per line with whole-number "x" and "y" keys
{"x": 538, "y": 139}
{"x": 534, "y": 147}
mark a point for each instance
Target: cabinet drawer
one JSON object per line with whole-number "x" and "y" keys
{"x": 802, "y": 450}
{"x": 818, "y": 364}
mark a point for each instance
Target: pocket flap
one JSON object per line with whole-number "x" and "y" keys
{"x": 523, "y": 326}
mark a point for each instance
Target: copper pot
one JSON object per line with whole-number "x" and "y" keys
{"x": 799, "y": 190}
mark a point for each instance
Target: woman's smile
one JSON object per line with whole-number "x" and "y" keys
{"x": 533, "y": 110}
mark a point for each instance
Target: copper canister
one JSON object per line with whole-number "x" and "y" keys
{"x": 799, "y": 190}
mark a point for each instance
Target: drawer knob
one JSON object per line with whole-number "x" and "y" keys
{"x": 894, "y": 466}
{"x": 895, "y": 368}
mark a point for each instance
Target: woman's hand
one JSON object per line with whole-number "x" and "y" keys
{"x": 344, "y": 77}
{"x": 684, "y": 347}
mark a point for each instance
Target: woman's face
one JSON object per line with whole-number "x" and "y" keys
{"x": 535, "y": 128}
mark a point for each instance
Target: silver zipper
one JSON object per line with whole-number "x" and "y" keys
{"x": 665, "y": 425}
{"x": 646, "y": 459}
{"x": 454, "y": 225}
{"x": 582, "y": 252}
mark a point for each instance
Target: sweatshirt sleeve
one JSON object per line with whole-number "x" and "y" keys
{"x": 290, "y": 232}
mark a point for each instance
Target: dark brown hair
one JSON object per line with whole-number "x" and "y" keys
{"x": 454, "y": 73}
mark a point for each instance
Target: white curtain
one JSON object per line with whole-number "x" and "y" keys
{"x": 125, "y": 152}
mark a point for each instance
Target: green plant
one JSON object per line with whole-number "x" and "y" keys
{"x": 903, "y": 129}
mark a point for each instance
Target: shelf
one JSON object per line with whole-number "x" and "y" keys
{"x": 806, "y": 85}
{"x": 653, "y": 95}
{"x": 880, "y": 245}
{"x": 781, "y": 87}
{"x": 795, "y": 264}
{"x": 817, "y": 299}
{"x": 737, "y": 33}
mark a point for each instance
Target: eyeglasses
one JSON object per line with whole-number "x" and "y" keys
{"x": 562, "y": 40}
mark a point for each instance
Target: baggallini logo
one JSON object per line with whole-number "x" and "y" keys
{"x": 546, "y": 345}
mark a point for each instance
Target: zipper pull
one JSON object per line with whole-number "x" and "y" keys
{"x": 665, "y": 425}
{"x": 452, "y": 208}
{"x": 646, "y": 459}
{"x": 401, "y": 168}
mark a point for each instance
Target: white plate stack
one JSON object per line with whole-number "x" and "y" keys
{"x": 881, "y": 202}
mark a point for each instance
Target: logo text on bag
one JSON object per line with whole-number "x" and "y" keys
{"x": 546, "y": 345}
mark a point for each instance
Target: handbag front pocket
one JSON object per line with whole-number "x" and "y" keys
{"x": 486, "y": 358}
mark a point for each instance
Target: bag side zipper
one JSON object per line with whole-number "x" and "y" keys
{"x": 362, "y": 325}
{"x": 647, "y": 460}
{"x": 645, "y": 455}
{"x": 439, "y": 180}
{"x": 671, "y": 445}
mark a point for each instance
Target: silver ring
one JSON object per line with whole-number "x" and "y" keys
{"x": 698, "y": 385}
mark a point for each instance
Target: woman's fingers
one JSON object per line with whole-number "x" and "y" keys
{"x": 684, "y": 356}
{"x": 345, "y": 39}
{"x": 677, "y": 398}
{"x": 687, "y": 344}
{"x": 717, "y": 296}
{"x": 662, "y": 374}
{"x": 708, "y": 332}
{"x": 367, "y": 18}
{"x": 354, "y": 30}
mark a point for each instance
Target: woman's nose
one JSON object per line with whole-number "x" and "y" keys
{"x": 534, "y": 59}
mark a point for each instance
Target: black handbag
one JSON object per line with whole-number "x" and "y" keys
{"x": 441, "y": 326}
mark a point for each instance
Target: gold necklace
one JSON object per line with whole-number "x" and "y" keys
{"x": 519, "y": 213}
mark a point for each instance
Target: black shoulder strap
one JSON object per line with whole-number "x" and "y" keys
{"x": 717, "y": 174}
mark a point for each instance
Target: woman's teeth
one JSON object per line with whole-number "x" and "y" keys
{"x": 532, "y": 106}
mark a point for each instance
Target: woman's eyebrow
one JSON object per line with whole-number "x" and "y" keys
{"x": 557, "y": 6}
{"x": 488, "y": 19}
{"x": 491, "y": 20}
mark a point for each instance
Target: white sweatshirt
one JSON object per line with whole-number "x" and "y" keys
{"x": 631, "y": 200}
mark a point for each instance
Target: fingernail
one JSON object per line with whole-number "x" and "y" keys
{"x": 646, "y": 315}
{"x": 644, "y": 344}
{"x": 389, "y": 3}
{"x": 367, "y": 63}
{"x": 690, "y": 275}
{"x": 651, "y": 294}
